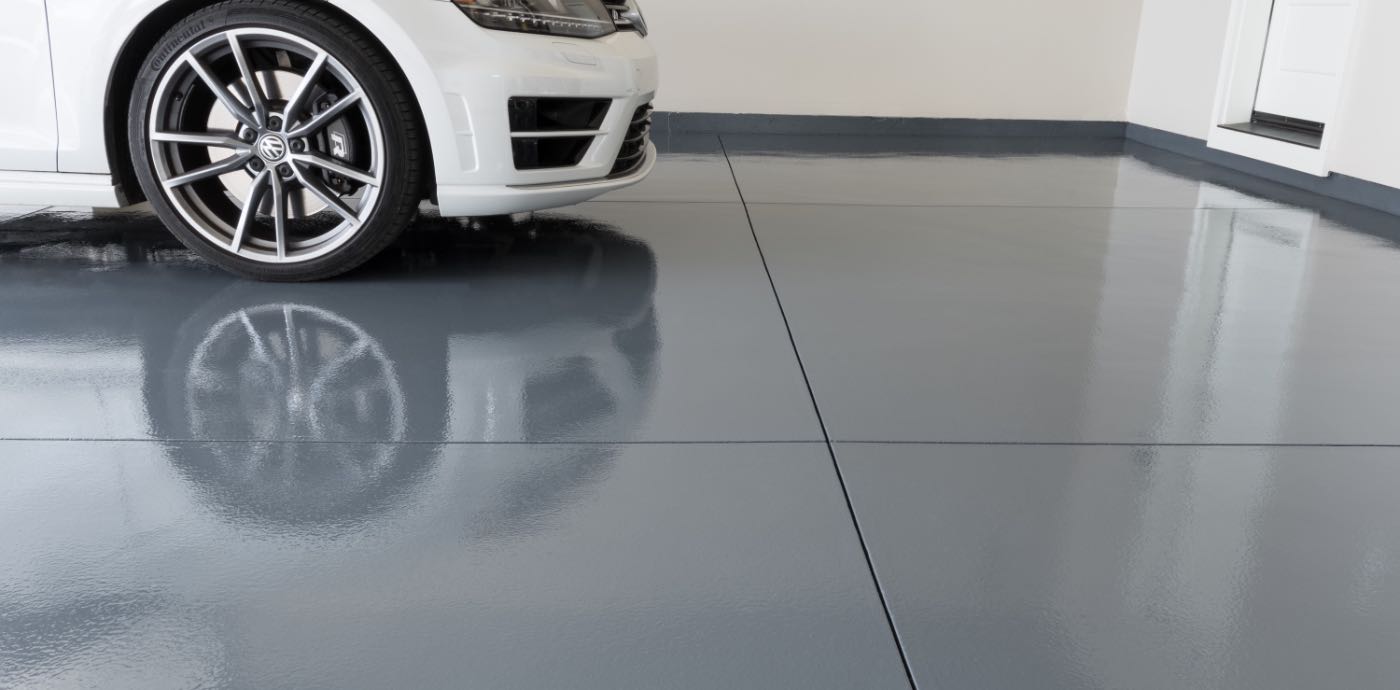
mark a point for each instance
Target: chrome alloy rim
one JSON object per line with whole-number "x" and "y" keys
{"x": 267, "y": 146}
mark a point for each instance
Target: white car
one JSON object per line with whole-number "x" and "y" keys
{"x": 295, "y": 139}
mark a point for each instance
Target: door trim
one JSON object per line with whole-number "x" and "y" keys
{"x": 1243, "y": 59}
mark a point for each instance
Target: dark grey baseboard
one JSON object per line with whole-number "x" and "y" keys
{"x": 1339, "y": 187}
{"x": 835, "y": 125}
{"x": 1336, "y": 186}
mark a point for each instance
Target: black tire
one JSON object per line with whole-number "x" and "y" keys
{"x": 384, "y": 87}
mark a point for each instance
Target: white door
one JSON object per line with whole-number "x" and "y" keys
{"x": 1307, "y": 49}
{"x": 28, "y": 132}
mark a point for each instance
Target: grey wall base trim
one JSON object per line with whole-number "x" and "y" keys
{"x": 738, "y": 123}
{"x": 1342, "y": 187}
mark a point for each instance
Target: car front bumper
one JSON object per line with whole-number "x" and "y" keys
{"x": 477, "y": 71}
{"x": 490, "y": 200}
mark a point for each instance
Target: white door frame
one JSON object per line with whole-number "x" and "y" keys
{"x": 1245, "y": 41}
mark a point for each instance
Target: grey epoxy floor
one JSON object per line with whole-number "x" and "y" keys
{"x": 795, "y": 413}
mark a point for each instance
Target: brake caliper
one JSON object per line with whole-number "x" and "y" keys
{"x": 337, "y": 140}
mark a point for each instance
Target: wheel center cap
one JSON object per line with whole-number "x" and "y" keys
{"x": 272, "y": 148}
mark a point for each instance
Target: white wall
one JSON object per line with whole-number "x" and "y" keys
{"x": 1369, "y": 143}
{"x": 1151, "y": 62}
{"x": 1179, "y": 49}
{"x": 1179, "y": 53}
{"x": 1022, "y": 59}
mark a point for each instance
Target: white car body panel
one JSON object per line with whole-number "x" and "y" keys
{"x": 28, "y": 188}
{"x": 462, "y": 75}
{"x": 27, "y": 132}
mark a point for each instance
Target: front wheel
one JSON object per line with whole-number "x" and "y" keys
{"x": 276, "y": 140}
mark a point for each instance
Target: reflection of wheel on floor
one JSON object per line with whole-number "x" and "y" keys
{"x": 246, "y": 367}
{"x": 293, "y": 372}
{"x": 276, "y": 141}
{"x": 329, "y": 366}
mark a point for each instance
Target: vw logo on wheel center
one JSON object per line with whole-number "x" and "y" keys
{"x": 272, "y": 148}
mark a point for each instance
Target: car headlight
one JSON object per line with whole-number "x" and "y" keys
{"x": 576, "y": 18}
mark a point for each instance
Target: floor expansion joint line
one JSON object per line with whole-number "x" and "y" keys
{"x": 307, "y": 442}
{"x": 1114, "y": 444}
{"x": 1028, "y": 207}
{"x": 821, "y": 421}
{"x": 668, "y": 202}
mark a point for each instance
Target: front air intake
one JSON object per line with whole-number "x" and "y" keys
{"x": 554, "y": 152}
{"x": 557, "y": 114}
{"x": 634, "y": 148}
{"x": 567, "y": 127}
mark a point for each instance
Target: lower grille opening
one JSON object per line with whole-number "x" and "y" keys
{"x": 550, "y": 116}
{"x": 634, "y": 147}
{"x": 557, "y": 114}
{"x": 549, "y": 152}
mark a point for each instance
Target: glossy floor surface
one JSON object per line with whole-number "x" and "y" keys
{"x": 795, "y": 413}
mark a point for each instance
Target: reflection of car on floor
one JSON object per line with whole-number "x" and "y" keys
{"x": 498, "y": 333}
{"x": 294, "y": 139}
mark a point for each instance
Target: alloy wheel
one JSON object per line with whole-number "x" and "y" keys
{"x": 266, "y": 145}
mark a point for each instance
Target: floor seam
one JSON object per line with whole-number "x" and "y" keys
{"x": 308, "y": 442}
{"x": 732, "y": 202}
{"x": 1114, "y": 444}
{"x": 717, "y": 442}
{"x": 1031, "y": 207}
{"x": 821, "y": 421}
